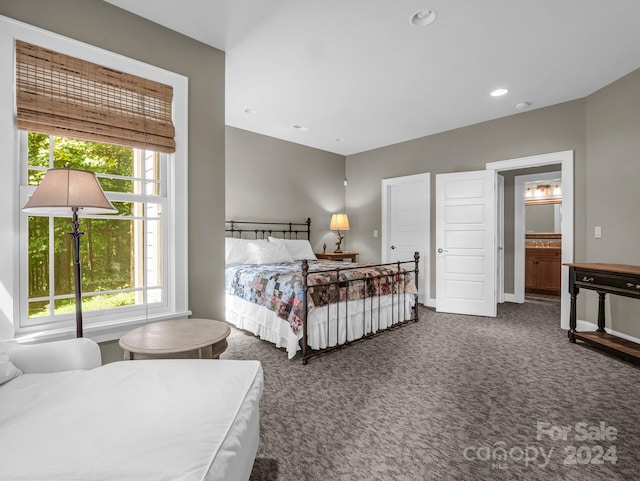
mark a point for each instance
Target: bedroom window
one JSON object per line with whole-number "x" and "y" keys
{"x": 134, "y": 262}
{"x": 122, "y": 254}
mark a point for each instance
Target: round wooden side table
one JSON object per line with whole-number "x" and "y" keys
{"x": 176, "y": 339}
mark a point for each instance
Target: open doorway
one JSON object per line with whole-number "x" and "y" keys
{"x": 563, "y": 162}
{"x": 537, "y": 234}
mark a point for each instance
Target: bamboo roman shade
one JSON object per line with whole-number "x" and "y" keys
{"x": 62, "y": 95}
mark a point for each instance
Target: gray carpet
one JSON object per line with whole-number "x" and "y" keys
{"x": 436, "y": 399}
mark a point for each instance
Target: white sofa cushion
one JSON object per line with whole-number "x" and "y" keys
{"x": 8, "y": 370}
{"x": 154, "y": 420}
{"x": 71, "y": 354}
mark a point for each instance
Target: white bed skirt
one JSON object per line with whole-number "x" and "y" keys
{"x": 268, "y": 326}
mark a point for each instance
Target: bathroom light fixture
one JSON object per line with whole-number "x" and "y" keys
{"x": 499, "y": 92}
{"x": 542, "y": 193}
{"x": 423, "y": 17}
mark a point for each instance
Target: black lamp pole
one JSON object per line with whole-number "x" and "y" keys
{"x": 75, "y": 236}
{"x": 63, "y": 189}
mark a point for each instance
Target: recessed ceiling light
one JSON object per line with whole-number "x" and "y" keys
{"x": 499, "y": 92}
{"x": 299, "y": 127}
{"x": 250, "y": 111}
{"x": 523, "y": 105}
{"x": 423, "y": 17}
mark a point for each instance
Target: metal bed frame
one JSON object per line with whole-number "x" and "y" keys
{"x": 398, "y": 278}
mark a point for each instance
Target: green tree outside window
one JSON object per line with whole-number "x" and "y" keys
{"x": 109, "y": 244}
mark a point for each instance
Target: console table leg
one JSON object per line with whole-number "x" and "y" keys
{"x": 601, "y": 296}
{"x": 572, "y": 318}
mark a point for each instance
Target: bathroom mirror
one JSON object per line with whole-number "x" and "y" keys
{"x": 543, "y": 218}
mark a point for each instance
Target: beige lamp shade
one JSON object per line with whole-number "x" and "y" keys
{"x": 61, "y": 190}
{"x": 339, "y": 222}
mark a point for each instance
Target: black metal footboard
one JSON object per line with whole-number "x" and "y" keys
{"x": 370, "y": 319}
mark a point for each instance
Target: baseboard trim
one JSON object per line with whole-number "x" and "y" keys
{"x": 623, "y": 335}
{"x": 585, "y": 326}
{"x": 590, "y": 326}
{"x": 580, "y": 325}
{"x": 512, "y": 298}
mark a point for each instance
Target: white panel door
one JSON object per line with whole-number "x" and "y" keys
{"x": 406, "y": 223}
{"x": 466, "y": 243}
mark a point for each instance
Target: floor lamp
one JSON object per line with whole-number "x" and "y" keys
{"x": 66, "y": 192}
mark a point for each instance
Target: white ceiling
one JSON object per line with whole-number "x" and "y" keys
{"x": 358, "y": 70}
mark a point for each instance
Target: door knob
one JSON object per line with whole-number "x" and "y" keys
{"x": 393, "y": 247}
{"x": 441, "y": 250}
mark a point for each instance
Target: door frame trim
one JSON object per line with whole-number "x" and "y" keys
{"x": 500, "y": 240}
{"x": 384, "y": 241}
{"x": 519, "y": 229}
{"x": 566, "y": 161}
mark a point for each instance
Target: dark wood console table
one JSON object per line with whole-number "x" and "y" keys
{"x": 618, "y": 279}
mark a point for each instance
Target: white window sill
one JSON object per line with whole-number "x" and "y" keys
{"x": 98, "y": 332}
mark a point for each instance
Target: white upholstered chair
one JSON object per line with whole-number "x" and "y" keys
{"x": 63, "y": 416}
{"x": 67, "y": 355}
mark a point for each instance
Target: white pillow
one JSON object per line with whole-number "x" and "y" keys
{"x": 238, "y": 251}
{"x": 270, "y": 253}
{"x": 298, "y": 248}
{"x": 7, "y": 370}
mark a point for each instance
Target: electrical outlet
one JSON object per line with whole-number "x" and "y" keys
{"x": 598, "y": 232}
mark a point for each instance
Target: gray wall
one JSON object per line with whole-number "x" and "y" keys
{"x": 552, "y": 129}
{"x": 103, "y": 25}
{"x": 540, "y": 218}
{"x": 612, "y": 183}
{"x": 273, "y": 180}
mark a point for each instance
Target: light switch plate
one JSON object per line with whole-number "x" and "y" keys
{"x": 598, "y": 232}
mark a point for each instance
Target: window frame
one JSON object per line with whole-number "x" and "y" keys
{"x": 100, "y": 326}
{"x": 90, "y": 317}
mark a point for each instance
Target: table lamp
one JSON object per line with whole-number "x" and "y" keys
{"x": 65, "y": 192}
{"x": 339, "y": 222}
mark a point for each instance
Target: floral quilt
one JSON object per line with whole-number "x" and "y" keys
{"x": 278, "y": 287}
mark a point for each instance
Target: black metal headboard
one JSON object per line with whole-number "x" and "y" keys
{"x": 288, "y": 230}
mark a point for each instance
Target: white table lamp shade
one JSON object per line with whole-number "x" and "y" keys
{"x": 339, "y": 222}
{"x": 63, "y": 189}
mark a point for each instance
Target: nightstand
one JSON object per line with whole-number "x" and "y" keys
{"x": 338, "y": 256}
